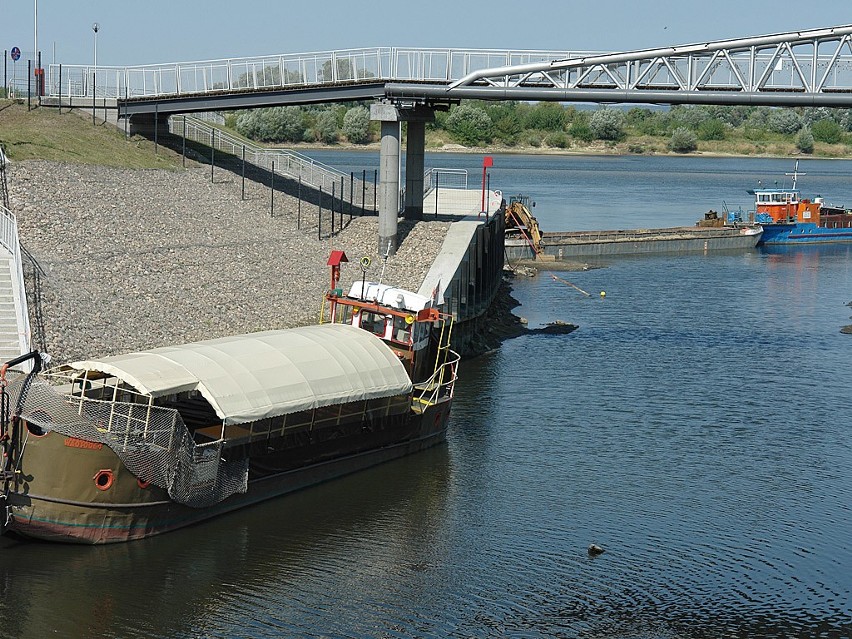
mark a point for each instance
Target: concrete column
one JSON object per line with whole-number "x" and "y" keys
{"x": 389, "y": 188}
{"x": 388, "y": 115}
{"x": 415, "y": 151}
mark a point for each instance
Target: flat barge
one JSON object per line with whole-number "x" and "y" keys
{"x": 591, "y": 244}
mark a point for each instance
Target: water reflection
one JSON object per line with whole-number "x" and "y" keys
{"x": 254, "y": 573}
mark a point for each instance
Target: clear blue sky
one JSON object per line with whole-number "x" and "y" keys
{"x": 151, "y": 31}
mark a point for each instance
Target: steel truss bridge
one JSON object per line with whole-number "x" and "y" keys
{"x": 804, "y": 68}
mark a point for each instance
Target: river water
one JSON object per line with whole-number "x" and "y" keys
{"x": 696, "y": 426}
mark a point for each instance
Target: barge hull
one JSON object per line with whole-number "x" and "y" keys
{"x": 65, "y": 520}
{"x": 591, "y": 244}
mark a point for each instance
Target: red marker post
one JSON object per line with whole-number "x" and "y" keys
{"x": 487, "y": 163}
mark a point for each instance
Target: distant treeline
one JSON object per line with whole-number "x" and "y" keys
{"x": 554, "y": 125}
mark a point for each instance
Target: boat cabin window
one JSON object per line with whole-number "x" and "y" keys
{"x": 777, "y": 197}
{"x": 401, "y": 330}
{"x": 373, "y": 322}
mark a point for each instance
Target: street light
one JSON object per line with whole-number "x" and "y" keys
{"x": 96, "y": 27}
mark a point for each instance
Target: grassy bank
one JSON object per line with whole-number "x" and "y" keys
{"x": 46, "y": 134}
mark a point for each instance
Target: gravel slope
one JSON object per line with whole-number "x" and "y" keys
{"x": 136, "y": 259}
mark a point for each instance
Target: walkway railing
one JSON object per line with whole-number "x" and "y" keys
{"x": 9, "y": 239}
{"x": 286, "y": 163}
{"x": 285, "y": 71}
{"x": 438, "y": 178}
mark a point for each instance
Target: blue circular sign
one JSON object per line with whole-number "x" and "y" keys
{"x": 15, "y": 53}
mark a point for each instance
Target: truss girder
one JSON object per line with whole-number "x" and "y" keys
{"x": 810, "y": 62}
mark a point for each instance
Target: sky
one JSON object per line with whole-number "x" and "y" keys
{"x": 157, "y": 31}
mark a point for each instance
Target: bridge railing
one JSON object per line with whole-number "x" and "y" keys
{"x": 289, "y": 164}
{"x": 284, "y": 71}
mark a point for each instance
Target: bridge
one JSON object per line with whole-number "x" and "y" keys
{"x": 803, "y": 68}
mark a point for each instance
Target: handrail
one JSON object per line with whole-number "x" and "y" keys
{"x": 10, "y": 240}
{"x": 442, "y": 382}
{"x": 287, "y": 163}
{"x": 433, "y": 178}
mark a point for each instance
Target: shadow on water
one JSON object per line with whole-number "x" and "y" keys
{"x": 275, "y": 569}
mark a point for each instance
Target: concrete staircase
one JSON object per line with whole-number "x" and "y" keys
{"x": 10, "y": 343}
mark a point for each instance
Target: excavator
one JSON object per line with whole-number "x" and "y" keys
{"x": 521, "y": 223}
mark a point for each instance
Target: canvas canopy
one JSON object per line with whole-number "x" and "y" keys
{"x": 250, "y": 377}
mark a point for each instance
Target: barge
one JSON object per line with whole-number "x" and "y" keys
{"x": 124, "y": 447}
{"x": 592, "y": 244}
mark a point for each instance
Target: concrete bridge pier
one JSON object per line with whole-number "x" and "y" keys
{"x": 391, "y": 117}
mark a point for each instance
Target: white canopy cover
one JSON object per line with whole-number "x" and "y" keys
{"x": 250, "y": 377}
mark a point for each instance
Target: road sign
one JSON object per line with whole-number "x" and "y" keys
{"x": 15, "y": 53}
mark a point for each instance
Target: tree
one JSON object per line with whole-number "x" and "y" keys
{"x": 607, "y": 124}
{"x": 683, "y": 140}
{"x": 805, "y": 140}
{"x": 469, "y": 124}
{"x": 827, "y": 130}
{"x": 356, "y": 125}
{"x": 326, "y": 127}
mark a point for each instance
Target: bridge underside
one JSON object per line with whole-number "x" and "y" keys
{"x": 425, "y": 92}
{"x": 227, "y": 101}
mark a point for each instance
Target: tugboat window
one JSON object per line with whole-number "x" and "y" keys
{"x": 373, "y": 322}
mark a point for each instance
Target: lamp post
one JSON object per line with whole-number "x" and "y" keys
{"x": 96, "y": 27}
{"x": 35, "y": 30}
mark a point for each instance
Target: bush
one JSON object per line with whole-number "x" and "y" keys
{"x": 711, "y": 130}
{"x": 607, "y": 124}
{"x": 784, "y": 121}
{"x": 507, "y": 129}
{"x": 546, "y": 116}
{"x": 827, "y": 130}
{"x": 683, "y": 141}
{"x": 580, "y": 130}
{"x": 534, "y": 139}
{"x": 805, "y": 140}
{"x": 469, "y": 124}
{"x": 556, "y": 140}
{"x": 356, "y": 125}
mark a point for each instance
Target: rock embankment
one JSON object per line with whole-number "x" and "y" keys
{"x": 136, "y": 259}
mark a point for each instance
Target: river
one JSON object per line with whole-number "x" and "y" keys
{"x": 696, "y": 427}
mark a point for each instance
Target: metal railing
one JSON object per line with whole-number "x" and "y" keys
{"x": 436, "y": 178}
{"x": 9, "y": 239}
{"x": 286, "y": 163}
{"x": 285, "y": 71}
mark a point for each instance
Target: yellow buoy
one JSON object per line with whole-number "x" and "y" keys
{"x": 603, "y": 293}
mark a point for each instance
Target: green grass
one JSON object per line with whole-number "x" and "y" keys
{"x": 45, "y": 134}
